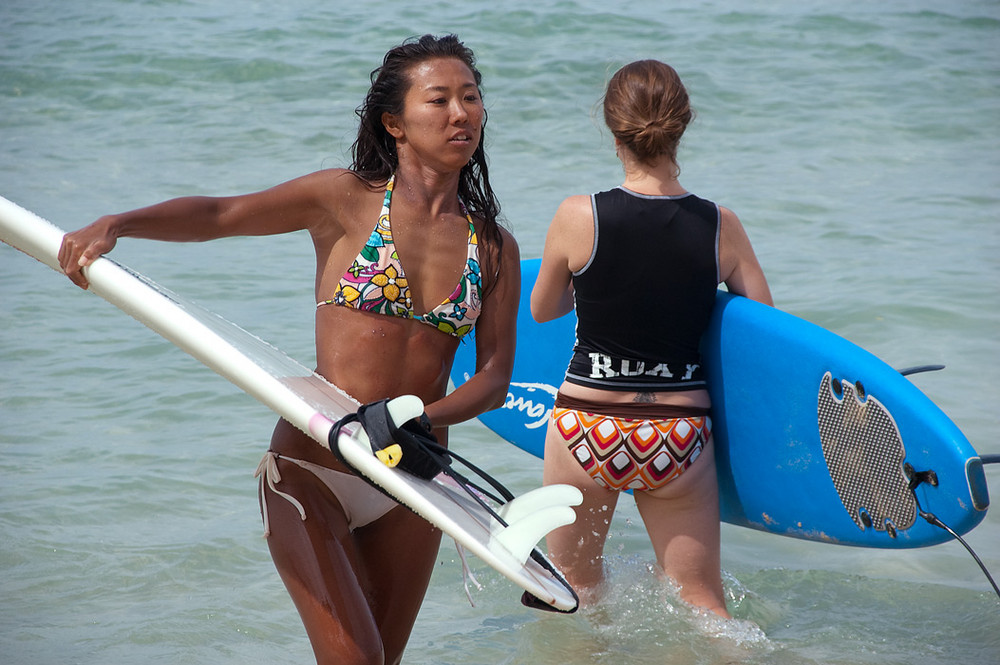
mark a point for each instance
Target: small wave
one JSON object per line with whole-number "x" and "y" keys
{"x": 641, "y": 614}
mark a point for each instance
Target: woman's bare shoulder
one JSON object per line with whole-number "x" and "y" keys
{"x": 342, "y": 193}
{"x": 578, "y": 205}
{"x": 338, "y": 182}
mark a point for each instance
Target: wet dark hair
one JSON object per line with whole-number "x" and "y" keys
{"x": 374, "y": 156}
{"x": 647, "y": 109}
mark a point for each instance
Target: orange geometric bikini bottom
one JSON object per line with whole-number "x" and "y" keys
{"x": 632, "y": 453}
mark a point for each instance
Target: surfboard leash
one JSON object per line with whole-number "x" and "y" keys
{"x": 425, "y": 458}
{"x": 929, "y": 477}
{"x": 421, "y": 454}
{"x": 918, "y": 477}
{"x": 527, "y": 599}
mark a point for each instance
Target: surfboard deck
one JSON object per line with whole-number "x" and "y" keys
{"x": 814, "y": 435}
{"x": 311, "y": 403}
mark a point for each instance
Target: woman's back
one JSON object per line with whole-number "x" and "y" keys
{"x": 647, "y": 292}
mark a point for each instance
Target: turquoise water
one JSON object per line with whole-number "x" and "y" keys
{"x": 858, "y": 142}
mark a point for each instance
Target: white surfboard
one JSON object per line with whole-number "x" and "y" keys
{"x": 503, "y": 536}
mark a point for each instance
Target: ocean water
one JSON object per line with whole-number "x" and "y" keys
{"x": 858, "y": 142}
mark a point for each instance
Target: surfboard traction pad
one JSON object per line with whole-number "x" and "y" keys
{"x": 864, "y": 454}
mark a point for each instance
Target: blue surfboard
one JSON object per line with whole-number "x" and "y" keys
{"x": 815, "y": 437}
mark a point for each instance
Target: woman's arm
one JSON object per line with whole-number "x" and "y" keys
{"x": 291, "y": 206}
{"x": 496, "y": 335}
{"x": 739, "y": 267}
{"x": 568, "y": 245}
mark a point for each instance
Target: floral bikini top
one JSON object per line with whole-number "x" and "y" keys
{"x": 375, "y": 282}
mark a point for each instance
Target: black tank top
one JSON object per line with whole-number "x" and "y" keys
{"x": 645, "y": 296}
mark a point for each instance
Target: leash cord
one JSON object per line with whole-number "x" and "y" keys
{"x": 933, "y": 519}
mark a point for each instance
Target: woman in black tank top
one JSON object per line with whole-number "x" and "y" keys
{"x": 641, "y": 264}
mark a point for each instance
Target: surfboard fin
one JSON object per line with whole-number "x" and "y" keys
{"x": 538, "y": 499}
{"x": 534, "y": 514}
{"x": 520, "y": 538}
{"x": 406, "y": 407}
{"x": 908, "y": 371}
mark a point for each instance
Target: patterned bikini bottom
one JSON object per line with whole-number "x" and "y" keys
{"x": 628, "y": 452}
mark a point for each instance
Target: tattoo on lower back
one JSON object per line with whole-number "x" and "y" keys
{"x": 644, "y": 398}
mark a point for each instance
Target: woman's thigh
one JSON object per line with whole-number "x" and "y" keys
{"x": 577, "y": 549}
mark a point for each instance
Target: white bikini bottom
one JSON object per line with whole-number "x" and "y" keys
{"x": 362, "y": 503}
